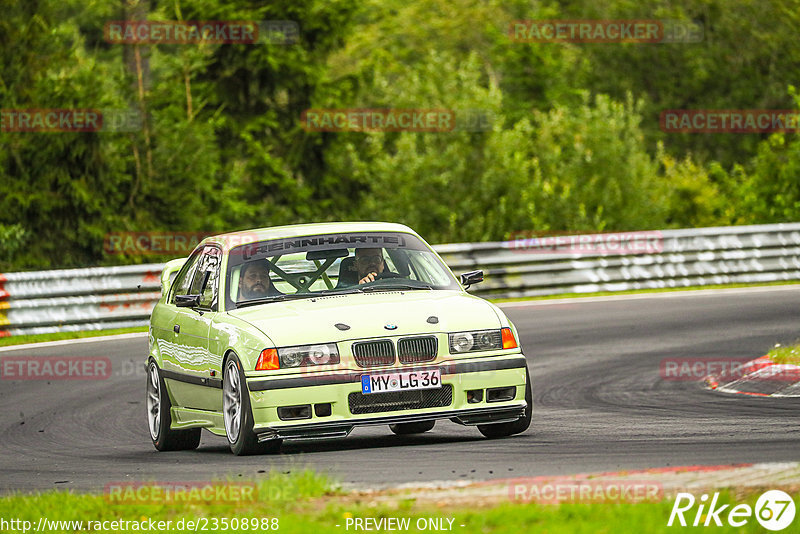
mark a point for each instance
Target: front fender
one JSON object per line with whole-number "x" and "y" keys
{"x": 153, "y": 353}
{"x": 241, "y": 337}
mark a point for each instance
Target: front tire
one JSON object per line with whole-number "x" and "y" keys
{"x": 238, "y": 415}
{"x": 405, "y": 429}
{"x": 159, "y": 419}
{"x": 502, "y": 430}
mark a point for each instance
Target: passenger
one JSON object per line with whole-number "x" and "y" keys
{"x": 254, "y": 281}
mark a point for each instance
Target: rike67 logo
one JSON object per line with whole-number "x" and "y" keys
{"x": 774, "y": 510}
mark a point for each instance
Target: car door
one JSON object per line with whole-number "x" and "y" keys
{"x": 164, "y": 321}
{"x": 195, "y": 367}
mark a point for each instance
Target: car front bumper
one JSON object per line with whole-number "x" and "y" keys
{"x": 342, "y": 391}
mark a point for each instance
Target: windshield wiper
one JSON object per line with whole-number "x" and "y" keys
{"x": 394, "y": 287}
{"x": 274, "y": 298}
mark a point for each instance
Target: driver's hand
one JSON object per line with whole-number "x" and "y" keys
{"x": 369, "y": 278}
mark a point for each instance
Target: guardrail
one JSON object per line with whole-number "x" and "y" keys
{"x": 117, "y": 297}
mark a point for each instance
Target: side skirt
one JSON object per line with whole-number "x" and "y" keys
{"x": 191, "y": 418}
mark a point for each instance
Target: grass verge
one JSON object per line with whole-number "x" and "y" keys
{"x": 638, "y": 291}
{"x": 306, "y": 501}
{"x": 55, "y": 336}
{"x": 788, "y": 354}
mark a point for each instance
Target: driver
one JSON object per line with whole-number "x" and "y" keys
{"x": 369, "y": 264}
{"x": 254, "y": 281}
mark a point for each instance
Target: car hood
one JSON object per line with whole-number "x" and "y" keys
{"x": 307, "y": 321}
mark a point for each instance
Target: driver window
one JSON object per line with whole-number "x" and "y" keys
{"x": 209, "y": 263}
{"x": 184, "y": 279}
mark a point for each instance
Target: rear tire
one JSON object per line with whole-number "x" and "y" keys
{"x": 238, "y": 415}
{"x": 502, "y": 430}
{"x": 405, "y": 429}
{"x": 159, "y": 419}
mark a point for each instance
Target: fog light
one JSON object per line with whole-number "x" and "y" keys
{"x": 288, "y": 413}
{"x": 501, "y": 394}
{"x": 322, "y": 410}
{"x": 474, "y": 396}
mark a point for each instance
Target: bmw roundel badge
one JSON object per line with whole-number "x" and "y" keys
{"x": 390, "y": 326}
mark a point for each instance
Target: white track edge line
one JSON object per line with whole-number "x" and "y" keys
{"x": 654, "y": 295}
{"x": 60, "y": 342}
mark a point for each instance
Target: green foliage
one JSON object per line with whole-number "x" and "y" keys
{"x": 218, "y": 147}
{"x": 433, "y": 180}
{"x": 692, "y": 197}
{"x": 309, "y": 502}
{"x": 12, "y": 238}
{"x": 744, "y": 61}
{"x": 273, "y": 170}
{"x": 56, "y": 185}
{"x": 767, "y": 188}
{"x": 785, "y": 355}
{"x": 574, "y": 143}
{"x": 771, "y": 191}
{"x": 595, "y": 170}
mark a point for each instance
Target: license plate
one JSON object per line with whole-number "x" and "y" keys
{"x": 404, "y": 381}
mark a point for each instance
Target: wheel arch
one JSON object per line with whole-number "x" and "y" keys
{"x": 227, "y": 356}
{"x": 154, "y": 353}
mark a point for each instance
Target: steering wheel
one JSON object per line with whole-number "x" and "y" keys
{"x": 385, "y": 275}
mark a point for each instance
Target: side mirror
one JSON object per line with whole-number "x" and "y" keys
{"x": 472, "y": 277}
{"x": 187, "y": 301}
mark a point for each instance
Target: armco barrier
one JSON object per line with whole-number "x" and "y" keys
{"x": 696, "y": 257}
{"x": 115, "y": 297}
{"x": 78, "y": 299}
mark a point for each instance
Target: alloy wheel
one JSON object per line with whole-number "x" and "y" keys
{"x": 232, "y": 401}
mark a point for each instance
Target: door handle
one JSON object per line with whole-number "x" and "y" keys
{"x": 176, "y": 329}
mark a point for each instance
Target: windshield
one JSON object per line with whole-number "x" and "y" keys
{"x": 302, "y": 267}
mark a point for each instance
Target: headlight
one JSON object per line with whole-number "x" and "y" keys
{"x": 475, "y": 341}
{"x": 306, "y": 355}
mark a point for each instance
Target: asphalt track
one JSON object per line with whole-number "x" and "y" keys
{"x": 599, "y": 405}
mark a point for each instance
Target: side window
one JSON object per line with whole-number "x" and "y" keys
{"x": 209, "y": 263}
{"x": 428, "y": 270}
{"x": 184, "y": 279}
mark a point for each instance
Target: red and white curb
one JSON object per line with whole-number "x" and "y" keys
{"x": 760, "y": 378}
